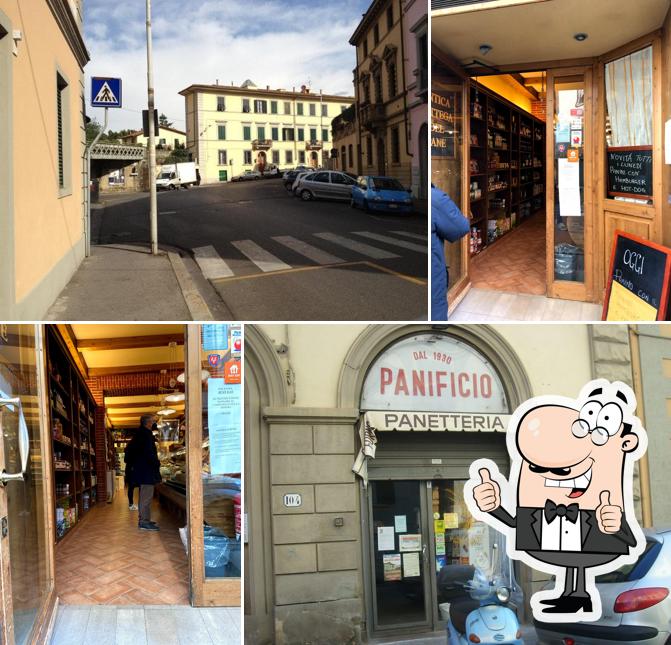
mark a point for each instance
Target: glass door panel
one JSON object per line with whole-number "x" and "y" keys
{"x": 569, "y": 203}
{"x": 22, "y": 500}
{"x": 398, "y": 547}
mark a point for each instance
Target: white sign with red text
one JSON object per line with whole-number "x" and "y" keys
{"x": 433, "y": 372}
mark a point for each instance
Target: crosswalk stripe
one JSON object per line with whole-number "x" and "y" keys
{"x": 267, "y": 262}
{"x": 416, "y": 236}
{"x": 307, "y": 250}
{"x": 420, "y": 248}
{"x": 210, "y": 263}
{"x": 359, "y": 247}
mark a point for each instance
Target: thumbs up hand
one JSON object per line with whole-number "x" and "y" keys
{"x": 487, "y": 495}
{"x": 608, "y": 516}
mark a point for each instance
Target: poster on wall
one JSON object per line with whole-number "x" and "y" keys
{"x": 443, "y": 123}
{"x": 400, "y": 524}
{"x": 478, "y": 546}
{"x": 391, "y": 563}
{"x": 223, "y": 420}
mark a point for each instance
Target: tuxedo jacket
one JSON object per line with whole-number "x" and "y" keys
{"x": 528, "y": 524}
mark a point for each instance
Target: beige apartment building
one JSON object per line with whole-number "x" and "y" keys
{"x": 376, "y": 138}
{"x": 42, "y": 138}
{"x": 314, "y": 571}
{"x": 232, "y": 129}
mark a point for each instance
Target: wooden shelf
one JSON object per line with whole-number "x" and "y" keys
{"x": 519, "y": 148}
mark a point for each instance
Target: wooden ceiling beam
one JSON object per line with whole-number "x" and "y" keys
{"x": 129, "y": 342}
{"x": 70, "y": 340}
{"x": 130, "y": 369}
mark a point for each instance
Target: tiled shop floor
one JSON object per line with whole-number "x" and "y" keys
{"x": 109, "y": 561}
{"x": 516, "y": 262}
{"x": 157, "y": 625}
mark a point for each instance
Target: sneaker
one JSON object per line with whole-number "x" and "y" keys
{"x": 133, "y": 507}
{"x": 147, "y": 526}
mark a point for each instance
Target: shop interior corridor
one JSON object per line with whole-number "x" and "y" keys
{"x": 108, "y": 560}
{"x": 516, "y": 263}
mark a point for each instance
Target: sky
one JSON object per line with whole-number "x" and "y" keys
{"x": 272, "y": 42}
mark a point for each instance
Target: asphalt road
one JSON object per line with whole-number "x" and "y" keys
{"x": 271, "y": 256}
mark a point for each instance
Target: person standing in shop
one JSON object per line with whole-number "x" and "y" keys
{"x": 447, "y": 225}
{"x": 130, "y": 482}
{"x": 146, "y": 469}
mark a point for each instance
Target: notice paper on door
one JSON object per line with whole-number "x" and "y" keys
{"x": 410, "y": 542}
{"x": 391, "y": 563}
{"x": 569, "y": 189}
{"x": 411, "y": 565}
{"x": 385, "y": 538}
{"x": 400, "y": 523}
{"x": 223, "y": 419}
{"x": 440, "y": 543}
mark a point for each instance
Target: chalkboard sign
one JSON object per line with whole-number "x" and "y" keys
{"x": 630, "y": 172}
{"x": 638, "y": 282}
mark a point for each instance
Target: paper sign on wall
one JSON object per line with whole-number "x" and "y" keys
{"x": 400, "y": 523}
{"x": 224, "y": 423}
{"x": 410, "y": 542}
{"x": 385, "y": 539}
{"x": 411, "y": 565}
{"x": 438, "y": 526}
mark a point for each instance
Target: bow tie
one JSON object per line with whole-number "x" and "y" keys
{"x": 553, "y": 510}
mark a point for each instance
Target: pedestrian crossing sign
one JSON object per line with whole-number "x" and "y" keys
{"x": 105, "y": 92}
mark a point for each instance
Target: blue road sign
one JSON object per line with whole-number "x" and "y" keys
{"x": 105, "y": 92}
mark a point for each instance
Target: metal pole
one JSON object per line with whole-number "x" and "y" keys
{"x": 151, "y": 146}
{"x": 87, "y": 221}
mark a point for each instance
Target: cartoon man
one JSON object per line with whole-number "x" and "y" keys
{"x": 571, "y": 475}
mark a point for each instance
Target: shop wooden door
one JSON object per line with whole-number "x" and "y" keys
{"x": 26, "y": 541}
{"x": 569, "y": 184}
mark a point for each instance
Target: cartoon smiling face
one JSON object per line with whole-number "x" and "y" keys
{"x": 572, "y": 455}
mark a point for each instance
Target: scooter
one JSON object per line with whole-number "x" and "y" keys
{"x": 487, "y": 617}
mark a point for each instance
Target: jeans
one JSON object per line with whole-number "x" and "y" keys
{"x": 131, "y": 490}
{"x": 146, "y": 495}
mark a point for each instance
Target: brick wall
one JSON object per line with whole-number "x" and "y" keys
{"x": 538, "y": 109}
{"x": 119, "y": 385}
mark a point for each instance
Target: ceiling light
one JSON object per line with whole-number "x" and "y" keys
{"x": 204, "y": 375}
{"x": 581, "y": 37}
{"x": 485, "y": 49}
{"x": 166, "y": 411}
{"x": 176, "y": 397}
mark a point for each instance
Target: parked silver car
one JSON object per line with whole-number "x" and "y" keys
{"x": 636, "y": 605}
{"x": 301, "y": 174}
{"x": 325, "y": 184}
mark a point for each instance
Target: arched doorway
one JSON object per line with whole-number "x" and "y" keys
{"x": 314, "y": 159}
{"x": 264, "y": 386}
{"x": 435, "y": 401}
{"x": 423, "y": 143}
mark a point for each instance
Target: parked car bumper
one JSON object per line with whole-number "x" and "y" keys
{"x": 591, "y": 634}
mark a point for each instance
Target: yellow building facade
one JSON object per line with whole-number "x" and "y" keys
{"x": 231, "y": 129}
{"x": 383, "y": 126}
{"x": 168, "y": 138}
{"x": 42, "y": 139}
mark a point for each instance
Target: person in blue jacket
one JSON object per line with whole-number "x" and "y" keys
{"x": 447, "y": 224}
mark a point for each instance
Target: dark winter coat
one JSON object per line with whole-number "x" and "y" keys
{"x": 447, "y": 224}
{"x": 144, "y": 458}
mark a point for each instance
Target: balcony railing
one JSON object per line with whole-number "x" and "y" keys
{"x": 262, "y": 144}
{"x": 372, "y": 115}
{"x": 314, "y": 144}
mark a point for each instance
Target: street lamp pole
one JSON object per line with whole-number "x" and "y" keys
{"x": 151, "y": 146}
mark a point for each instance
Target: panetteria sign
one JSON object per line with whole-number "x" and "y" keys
{"x": 437, "y": 373}
{"x": 436, "y": 422}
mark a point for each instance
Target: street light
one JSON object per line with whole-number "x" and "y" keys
{"x": 153, "y": 217}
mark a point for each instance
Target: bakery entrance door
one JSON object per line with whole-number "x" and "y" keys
{"x": 399, "y": 563}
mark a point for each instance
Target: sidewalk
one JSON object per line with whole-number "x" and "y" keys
{"x": 128, "y": 283}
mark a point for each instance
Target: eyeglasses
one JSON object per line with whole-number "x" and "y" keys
{"x": 581, "y": 429}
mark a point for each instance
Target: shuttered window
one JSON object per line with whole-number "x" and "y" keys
{"x": 61, "y": 85}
